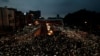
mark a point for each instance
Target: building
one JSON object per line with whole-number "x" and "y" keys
{"x": 7, "y": 18}
{"x": 20, "y": 20}
{"x": 31, "y": 15}
{"x": 11, "y": 20}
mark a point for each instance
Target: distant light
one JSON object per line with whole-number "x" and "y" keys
{"x": 36, "y": 22}
{"x": 85, "y": 22}
{"x": 48, "y": 27}
{"x": 32, "y": 14}
{"x": 29, "y": 24}
{"x": 47, "y": 24}
{"x": 50, "y": 32}
{"x": 55, "y": 55}
{"x": 25, "y": 13}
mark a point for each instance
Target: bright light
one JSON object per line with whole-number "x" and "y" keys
{"x": 47, "y": 24}
{"x": 50, "y": 32}
{"x": 48, "y": 28}
{"x": 29, "y": 24}
{"x": 24, "y": 13}
{"x": 85, "y": 22}
{"x": 36, "y": 22}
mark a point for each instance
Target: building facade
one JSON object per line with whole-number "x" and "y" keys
{"x": 11, "y": 20}
{"x": 7, "y": 19}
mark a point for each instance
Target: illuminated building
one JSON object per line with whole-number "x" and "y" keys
{"x": 49, "y": 26}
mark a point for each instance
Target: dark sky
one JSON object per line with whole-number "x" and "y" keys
{"x": 52, "y": 7}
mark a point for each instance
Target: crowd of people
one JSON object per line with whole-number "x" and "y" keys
{"x": 55, "y": 45}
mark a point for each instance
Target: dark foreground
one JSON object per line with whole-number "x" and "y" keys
{"x": 59, "y": 45}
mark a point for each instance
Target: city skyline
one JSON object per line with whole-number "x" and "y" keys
{"x": 50, "y": 8}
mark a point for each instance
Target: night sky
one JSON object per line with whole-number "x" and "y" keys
{"x": 52, "y": 7}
